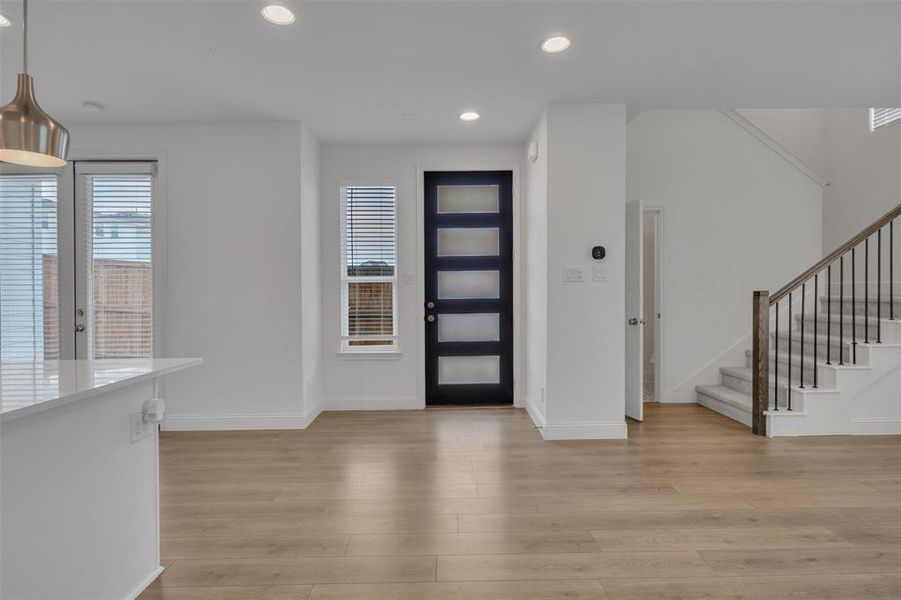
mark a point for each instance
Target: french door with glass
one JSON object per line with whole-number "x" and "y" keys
{"x": 76, "y": 261}
{"x": 469, "y": 287}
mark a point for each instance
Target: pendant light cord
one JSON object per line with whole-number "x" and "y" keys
{"x": 25, "y": 36}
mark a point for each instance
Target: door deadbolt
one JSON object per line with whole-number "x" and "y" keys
{"x": 430, "y": 318}
{"x": 430, "y": 304}
{"x": 79, "y": 328}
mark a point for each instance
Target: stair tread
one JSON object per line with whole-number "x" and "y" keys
{"x": 732, "y": 397}
{"x": 746, "y": 374}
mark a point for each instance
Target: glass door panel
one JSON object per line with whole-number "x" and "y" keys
{"x": 468, "y": 199}
{"x": 114, "y": 279}
{"x": 29, "y": 266}
{"x": 469, "y": 369}
{"x": 463, "y": 285}
{"x": 462, "y": 241}
{"x": 469, "y": 327}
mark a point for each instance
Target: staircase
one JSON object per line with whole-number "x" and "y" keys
{"x": 829, "y": 347}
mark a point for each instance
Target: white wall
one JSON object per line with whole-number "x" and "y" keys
{"x": 576, "y": 201}
{"x": 395, "y": 381}
{"x": 535, "y": 274}
{"x": 863, "y": 167}
{"x": 310, "y": 275}
{"x": 736, "y": 217}
{"x": 234, "y": 272}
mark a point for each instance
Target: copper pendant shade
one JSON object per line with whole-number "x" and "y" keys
{"x": 28, "y": 135}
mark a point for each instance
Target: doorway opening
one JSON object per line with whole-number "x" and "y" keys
{"x": 651, "y": 287}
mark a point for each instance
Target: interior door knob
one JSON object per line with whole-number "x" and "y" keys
{"x": 634, "y": 321}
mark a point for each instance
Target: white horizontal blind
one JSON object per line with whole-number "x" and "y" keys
{"x": 369, "y": 268}
{"x": 117, "y": 265}
{"x": 880, "y": 117}
{"x": 29, "y": 294}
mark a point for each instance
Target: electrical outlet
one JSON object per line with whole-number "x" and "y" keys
{"x": 140, "y": 429}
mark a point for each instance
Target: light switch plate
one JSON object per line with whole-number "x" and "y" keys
{"x": 600, "y": 273}
{"x": 573, "y": 274}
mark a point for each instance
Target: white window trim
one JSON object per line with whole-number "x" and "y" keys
{"x": 344, "y": 347}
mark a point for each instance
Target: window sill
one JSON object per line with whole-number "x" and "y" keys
{"x": 369, "y": 354}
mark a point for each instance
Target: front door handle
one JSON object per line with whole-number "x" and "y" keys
{"x": 430, "y": 318}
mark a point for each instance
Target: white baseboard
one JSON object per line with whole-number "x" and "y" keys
{"x": 370, "y": 403}
{"x": 239, "y": 422}
{"x": 876, "y": 426}
{"x": 144, "y": 584}
{"x": 535, "y": 414}
{"x": 605, "y": 430}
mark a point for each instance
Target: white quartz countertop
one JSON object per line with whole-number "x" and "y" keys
{"x": 30, "y": 387}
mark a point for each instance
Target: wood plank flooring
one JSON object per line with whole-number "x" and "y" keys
{"x": 472, "y": 504}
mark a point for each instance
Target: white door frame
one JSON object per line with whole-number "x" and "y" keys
{"x": 517, "y": 273}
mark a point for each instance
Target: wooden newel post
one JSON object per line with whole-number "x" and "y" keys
{"x": 760, "y": 368}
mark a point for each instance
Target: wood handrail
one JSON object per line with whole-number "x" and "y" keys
{"x": 835, "y": 254}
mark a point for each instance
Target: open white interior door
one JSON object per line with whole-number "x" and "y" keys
{"x": 634, "y": 312}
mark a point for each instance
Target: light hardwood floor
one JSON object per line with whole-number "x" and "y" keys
{"x": 472, "y": 504}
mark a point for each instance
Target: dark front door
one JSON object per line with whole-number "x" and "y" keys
{"x": 468, "y": 305}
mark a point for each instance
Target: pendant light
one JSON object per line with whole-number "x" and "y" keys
{"x": 28, "y": 135}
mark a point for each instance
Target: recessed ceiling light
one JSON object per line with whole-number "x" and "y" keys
{"x": 469, "y": 116}
{"x": 278, "y": 15}
{"x": 5, "y": 21}
{"x": 556, "y": 44}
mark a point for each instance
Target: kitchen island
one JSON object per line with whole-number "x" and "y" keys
{"x": 79, "y": 479}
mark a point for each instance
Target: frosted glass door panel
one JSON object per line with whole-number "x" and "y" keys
{"x": 467, "y": 199}
{"x": 469, "y": 369}
{"x": 474, "y": 327}
{"x": 476, "y": 241}
{"x": 468, "y": 285}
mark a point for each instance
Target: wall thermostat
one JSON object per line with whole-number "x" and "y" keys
{"x": 598, "y": 252}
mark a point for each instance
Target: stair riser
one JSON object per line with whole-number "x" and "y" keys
{"x": 821, "y": 352}
{"x": 783, "y": 369}
{"x": 746, "y": 387}
{"x": 822, "y": 327}
{"x": 859, "y": 308}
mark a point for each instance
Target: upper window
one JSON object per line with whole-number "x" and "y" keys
{"x": 881, "y": 117}
{"x": 368, "y": 268}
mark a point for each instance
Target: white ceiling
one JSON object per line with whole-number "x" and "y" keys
{"x": 351, "y": 70}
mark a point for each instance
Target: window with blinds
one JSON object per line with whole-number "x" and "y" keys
{"x": 881, "y": 117}
{"x": 118, "y": 271}
{"x": 368, "y": 268}
{"x": 29, "y": 294}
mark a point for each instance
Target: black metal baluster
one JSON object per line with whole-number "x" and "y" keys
{"x": 816, "y": 324}
{"x": 829, "y": 314}
{"x": 854, "y": 305}
{"x": 841, "y": 311}
{"x": 788, "y": 386}
{"x": 879, "y": 286}
{"x": 866, "y": 291}
{"x": 776, "y": 365}
{"x": 891, "y": 270}
{"x": 803, "y": 302}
